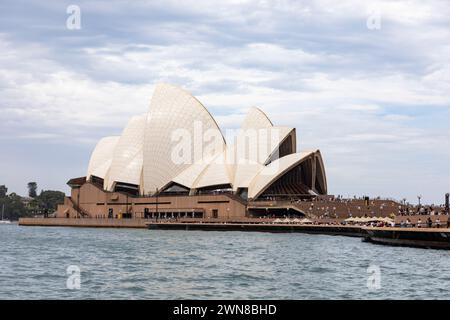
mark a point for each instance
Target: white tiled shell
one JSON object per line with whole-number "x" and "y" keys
{"x": 188, "y": 177}
{"x": 256, "y": 119}
{"x": 266, "y": 142}
{"x": 274, "y": 170}
{"x": 127, "y": 159}
{"x": 171, "y": 108}
{"x": 216, "y": 173}
{"x": 142, "y": 155}
{"x": 269, "y": 136}
{"x": 101, "y": 157}
{"x": 250, "y": 160}
{"x": 245, "y": 172}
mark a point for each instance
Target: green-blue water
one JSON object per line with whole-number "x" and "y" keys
{"x": 143, "y": 264}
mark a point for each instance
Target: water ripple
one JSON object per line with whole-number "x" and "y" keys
{"x": 143, "y": 264}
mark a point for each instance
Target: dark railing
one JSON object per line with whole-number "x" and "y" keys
{"x": 80, "y": 210}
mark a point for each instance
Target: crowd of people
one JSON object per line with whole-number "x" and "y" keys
{"x": 338, "y": 207}
{"x": 426, "y": 223}
{"x": 422, "y": 210}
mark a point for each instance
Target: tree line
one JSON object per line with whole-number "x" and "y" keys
{"x": 15, "y": 206}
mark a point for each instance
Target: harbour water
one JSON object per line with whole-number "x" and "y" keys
{"x": 155, "y": 264}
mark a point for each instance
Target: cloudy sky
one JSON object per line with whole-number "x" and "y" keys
{"x": 367, "y": 83}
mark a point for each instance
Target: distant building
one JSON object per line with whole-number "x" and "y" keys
{"x": 26, "y": 201}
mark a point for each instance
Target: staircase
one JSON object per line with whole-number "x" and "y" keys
{"x": 83, "y": 213}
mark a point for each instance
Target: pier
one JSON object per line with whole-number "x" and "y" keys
{"x": 435, "y": 238}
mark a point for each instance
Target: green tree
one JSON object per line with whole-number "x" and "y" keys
{"x": 32, "y": 187}
{"x": 49, "y": 199}
{"x": 3, "y": 191}
{"x": 46, "y": 202}
{"x": 14, "y": 207}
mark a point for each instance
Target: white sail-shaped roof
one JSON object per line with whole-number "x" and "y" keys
{"x": 256, "y": 144}
{"x": 178, "y": 141}
{"x": 101, "y": 157}
{"x": 174, "y": 116}
{"x": 126, "y": 166}
{"x": 275, "y": 170}
{"x": 188, "y": 177}
{"x": 256, "y": 119}
{"x": 245, "y": 172}
{"x": 270, "y": 136}
{"x": 277, "y": 137}
{"x": 216, "y": 173}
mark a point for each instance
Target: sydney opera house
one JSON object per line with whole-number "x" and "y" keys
{"x": 174, "y": 162}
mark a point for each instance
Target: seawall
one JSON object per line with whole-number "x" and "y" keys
{"x": 352, "y": 231}
{"x": 84, "y": 223}
{"x": 254, "y": 225}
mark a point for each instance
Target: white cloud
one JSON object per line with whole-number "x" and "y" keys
{"x": 366, "y": 98}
